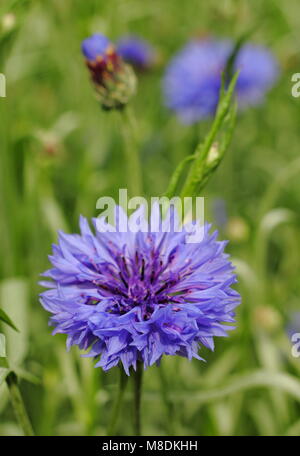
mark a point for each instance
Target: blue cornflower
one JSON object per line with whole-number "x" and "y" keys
{"x": 136, "y": 51}
{"x": 193, "y": 78}
{"x": 113, "y": 79}
{"x": 136, "y": 296}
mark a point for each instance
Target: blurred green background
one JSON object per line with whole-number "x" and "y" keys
{"x": 59, "y": 153}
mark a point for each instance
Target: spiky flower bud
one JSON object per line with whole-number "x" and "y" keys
{"x": 114, "y": 80}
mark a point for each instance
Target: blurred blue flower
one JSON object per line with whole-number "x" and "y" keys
{"x": 95, "y": 46}
{"x": 136, "y": 51}
{"x": 138, "y": 296}
{"x": 193, "y": 78}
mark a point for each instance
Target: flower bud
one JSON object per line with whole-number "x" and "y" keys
{"x": 114, "y": 80}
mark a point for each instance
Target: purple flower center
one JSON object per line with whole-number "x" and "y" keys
{"x": 145, "y": 280}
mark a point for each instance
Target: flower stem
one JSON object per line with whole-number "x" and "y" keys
{"x": 118, "y": 403}
{"x": 132, "y": 152}
{"x": 197, "y": 175}
{"x": 137, "y": 378}
{"x": 18, "y": 404}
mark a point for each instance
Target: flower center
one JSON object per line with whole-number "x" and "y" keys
{"x": 146, "y": 281}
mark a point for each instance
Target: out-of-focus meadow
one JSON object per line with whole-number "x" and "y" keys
{"x": 60, "y": 153}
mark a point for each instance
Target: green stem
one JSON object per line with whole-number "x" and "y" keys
{"x": 118, "y": 403}
{"x": 18, "y": 404}
{"x": 137, "y": 378}
{"x": 170, "y": 192}
{"x": 199, "y": 165}
{"x": 132, "y": 152}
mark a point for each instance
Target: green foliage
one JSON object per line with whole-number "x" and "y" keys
{"x": 206, "y": 158}
{"x": 3, "y": 358}
{"x": 5, "y": 318}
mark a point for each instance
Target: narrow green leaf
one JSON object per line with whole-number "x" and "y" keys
{"x": 14, "y": 299}
{"x": 3, "y": 360}
{"x": 256, "y": 379}
{"x": 2, "y": 346}
{"x": 5, "y": 318}
{"x": 28, "y": 376}
{"x": 176, "y": 176}
{"x": 245, "y": 382}
{"x": 18, "y": 403}
{"x": 217, "y": 151}
{"x": 229, "y": 69}
{"x": 197, "y": 175}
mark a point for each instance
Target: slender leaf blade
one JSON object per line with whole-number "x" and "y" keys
{"x": 5, "y": 318}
